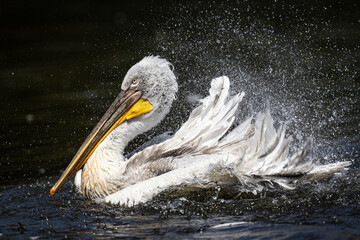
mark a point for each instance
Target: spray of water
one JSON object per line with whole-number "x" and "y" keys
{"x": 294, "y": 64}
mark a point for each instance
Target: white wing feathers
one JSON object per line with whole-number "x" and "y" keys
{"x": 261, "y": 150}
{"x": 209, "y": 121}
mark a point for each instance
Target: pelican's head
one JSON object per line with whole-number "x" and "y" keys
{"x": 154, "y": 78}
{"x": 147, "y": 93}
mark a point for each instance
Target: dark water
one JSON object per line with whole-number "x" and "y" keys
{"x": 62, "y": 65}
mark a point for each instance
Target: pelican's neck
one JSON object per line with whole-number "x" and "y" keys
{"x": 121, "y": 136}
{"x": 103, "y": 173}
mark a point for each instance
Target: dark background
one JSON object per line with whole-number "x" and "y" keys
{"x": 62, "y": 63}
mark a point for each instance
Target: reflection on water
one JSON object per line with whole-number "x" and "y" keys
{"x": 62, "y": 66}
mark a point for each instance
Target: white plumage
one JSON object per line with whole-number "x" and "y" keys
{"x": 201, "y": 151}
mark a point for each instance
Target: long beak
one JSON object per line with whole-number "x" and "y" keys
{"x": 127, "y": 105}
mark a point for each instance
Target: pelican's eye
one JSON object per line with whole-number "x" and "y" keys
{"x": 134, "y": 82}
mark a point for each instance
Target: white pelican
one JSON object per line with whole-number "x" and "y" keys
{"x": 201, "y": 151}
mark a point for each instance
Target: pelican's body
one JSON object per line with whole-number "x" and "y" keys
{"x": 201, "y": 151}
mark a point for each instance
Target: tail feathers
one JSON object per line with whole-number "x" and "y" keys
{"x": 321, "y": 171}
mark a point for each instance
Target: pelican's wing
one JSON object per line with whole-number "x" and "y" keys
{"x": 260, "y": 148}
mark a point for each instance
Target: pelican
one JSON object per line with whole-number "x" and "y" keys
{"x": 202, "y": 151}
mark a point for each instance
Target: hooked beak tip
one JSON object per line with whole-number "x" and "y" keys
{"x": 52, "y": 191}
